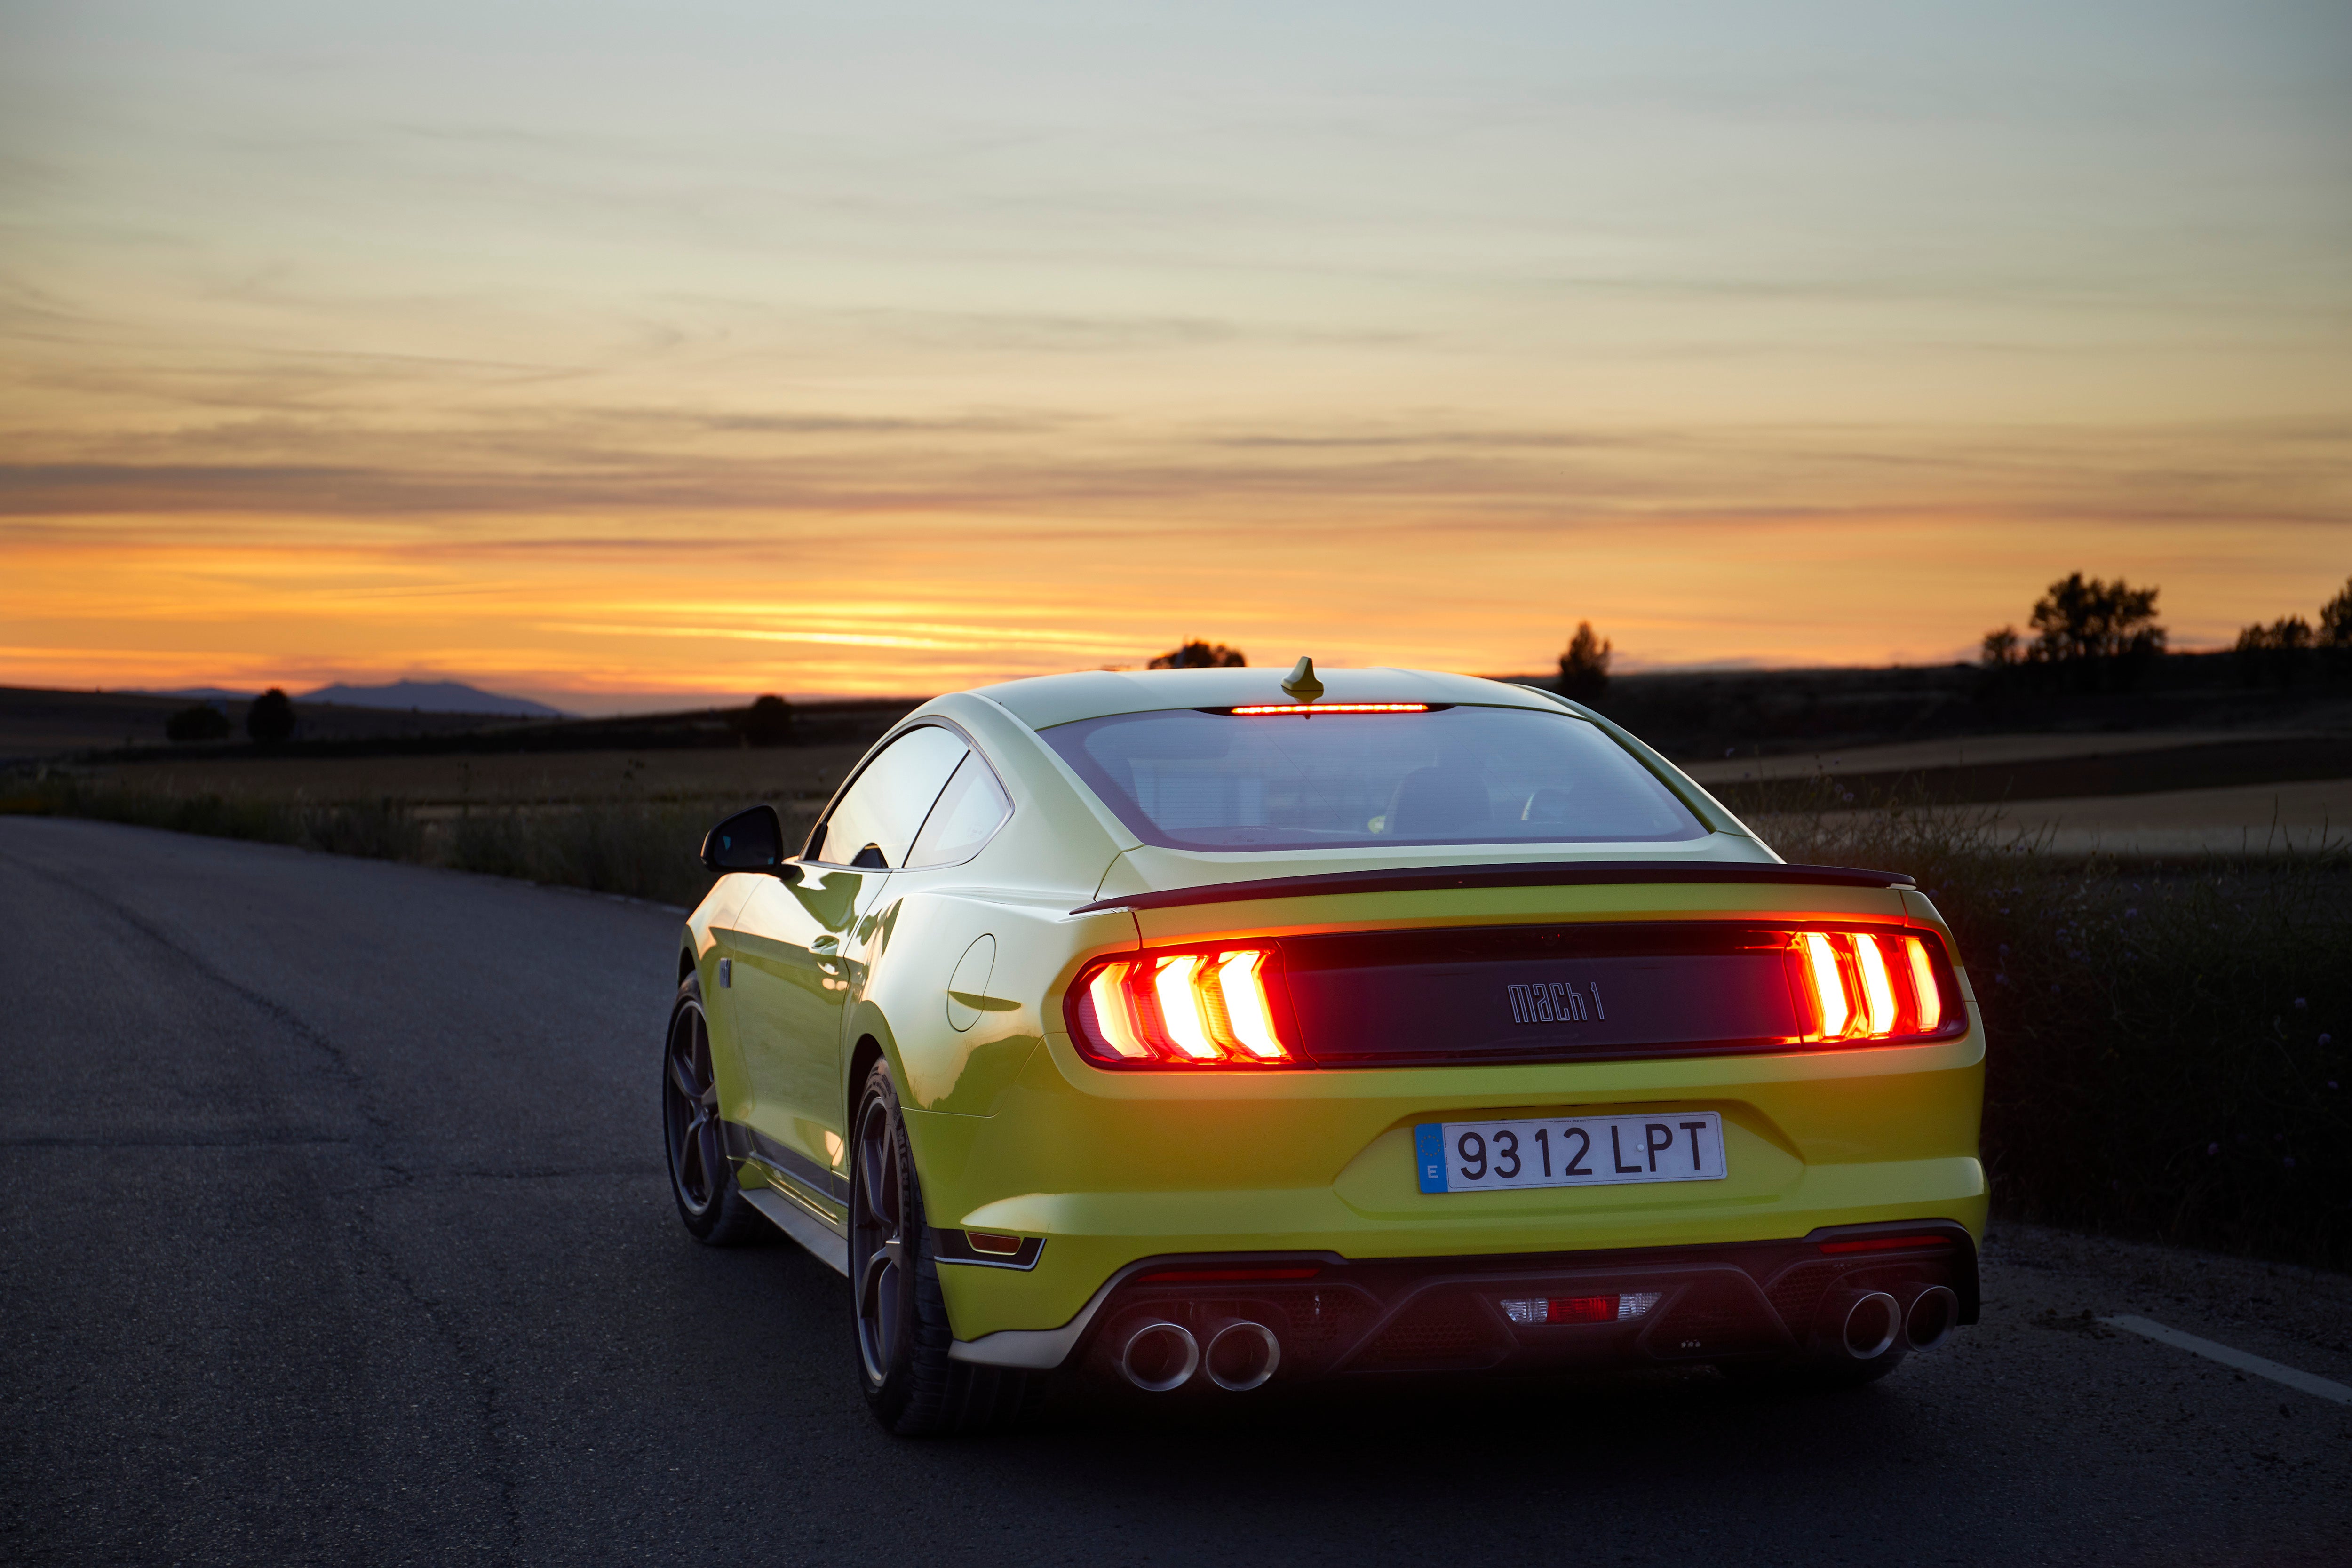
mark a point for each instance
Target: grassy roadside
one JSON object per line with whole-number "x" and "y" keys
{"x": 646, "y": 849}
{"x": 2168, "y": 1040}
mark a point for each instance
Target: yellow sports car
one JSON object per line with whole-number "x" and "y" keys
{"x": 1210, "y": 1029}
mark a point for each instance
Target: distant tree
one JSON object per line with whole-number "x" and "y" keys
{"x": 271, "y": 718}
{"x": 197, "y": 722}
{"x": 2001, "y": 649}
{"x": 1200, "y": 656}
{"x": 2084, "y": 618}
{"x": 1584, "y": 667}
{"x": 2335, "y": 619}
{"x": 767, "y": 722}
{"x": 2095, "y": 633}
{"x": 2276, "y": 652}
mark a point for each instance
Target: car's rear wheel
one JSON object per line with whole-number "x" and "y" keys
{"x": 914, "y": 1387}
{"x": 701, "y": 1176}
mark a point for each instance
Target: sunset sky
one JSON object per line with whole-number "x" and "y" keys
{"x": 625, "y": 355}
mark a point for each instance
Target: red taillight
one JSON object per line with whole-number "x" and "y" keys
{"x": 1222, "y": 1276}
{"x": 1859, "y": 985}
{"x": 1182, "y": 1009}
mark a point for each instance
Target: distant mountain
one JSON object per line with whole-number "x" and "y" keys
{"x": 431, "y": 696}
{"x": 203, "y": 694}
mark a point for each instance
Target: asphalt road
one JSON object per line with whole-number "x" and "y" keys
{"x": 334, "y": 1229}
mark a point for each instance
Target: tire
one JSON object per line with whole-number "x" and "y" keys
{"x": 701, "y": 1176}
{"x": 900, "y": 1317}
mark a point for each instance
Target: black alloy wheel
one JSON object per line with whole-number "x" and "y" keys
{"x": 701, "y": 1176}
{"x": 878, "y": 1240}
{"x": 914, "y": 1386}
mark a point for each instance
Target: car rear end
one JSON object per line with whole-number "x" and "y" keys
{"x": 1479, "y": 1104}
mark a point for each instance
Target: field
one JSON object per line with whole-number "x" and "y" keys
{"x": 610, "y": 821}
{"x": 2171, "y": 1036}
{"x": 36, "y": 723}
{"x": 791, "y": 777}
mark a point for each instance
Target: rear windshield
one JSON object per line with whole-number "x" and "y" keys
{"x": 1203, "y": 779}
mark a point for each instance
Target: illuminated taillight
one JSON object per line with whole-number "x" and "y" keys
{"x": 1197, "y": 1009}
{"x": 1926, "y": 994}
{"x": 1179, "y": 1009}
{"x": 1114, "y": 1018}
{"x": 1241, "y": 979}
{"x": 1860, "y": 986}
{"x": 1877, "y": 991}
{"x": 1831, "y": 1009}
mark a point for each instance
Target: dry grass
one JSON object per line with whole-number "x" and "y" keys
{"x": 2170, "y": 1041}
{"x": 723, "y": 778}
{"x": 615, "y": 822}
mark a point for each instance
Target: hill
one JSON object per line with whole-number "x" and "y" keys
{"x": 432, "y": 697}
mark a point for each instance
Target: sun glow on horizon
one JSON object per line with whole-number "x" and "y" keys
{"x": 858, "y": 351}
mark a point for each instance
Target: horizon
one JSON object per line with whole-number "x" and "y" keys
{"x": 607, "y": 353}
{"x": 623, "y": 704}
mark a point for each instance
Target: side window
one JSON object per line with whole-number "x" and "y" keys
{"x": 876, "y": 822}
{"x": 970, "y": 809}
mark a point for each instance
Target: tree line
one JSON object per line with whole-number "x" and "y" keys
{"x": 2287, "y": 648}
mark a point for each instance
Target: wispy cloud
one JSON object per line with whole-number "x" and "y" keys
{"x": 829, "y": 350}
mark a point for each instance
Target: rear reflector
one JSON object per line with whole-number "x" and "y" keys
{"x": 1883, "y": 1243}
{"x": 1222, "y": 1276}
{"x": 994, "y": 1246}
{"x": 1186, "y": 1009}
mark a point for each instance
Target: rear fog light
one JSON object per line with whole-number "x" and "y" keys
{"x": 1547, "y": 1309}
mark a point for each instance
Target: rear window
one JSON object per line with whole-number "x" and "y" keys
{"x": 1207, "y": 779}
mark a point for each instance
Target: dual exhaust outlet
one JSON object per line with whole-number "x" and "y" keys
{"x": 1236, "y": 1353}
{"x": 1866, "y": 1324}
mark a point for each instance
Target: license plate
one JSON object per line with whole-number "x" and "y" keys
{"x": 1574, "y": 1151}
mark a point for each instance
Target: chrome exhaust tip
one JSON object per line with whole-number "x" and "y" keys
{"x": 1930, "y": 1317}
{"x": 1159, "y": 1355}
{"x": 1242, "y": 1355}
{"x": 1870, "y": 1324}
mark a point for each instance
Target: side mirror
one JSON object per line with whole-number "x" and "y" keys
{"x": 749, "y": 840}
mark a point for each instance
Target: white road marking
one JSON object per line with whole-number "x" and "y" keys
{"x": 2305, "y": 1381}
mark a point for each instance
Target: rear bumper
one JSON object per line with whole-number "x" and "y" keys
{"x": 1758, "y": 1300}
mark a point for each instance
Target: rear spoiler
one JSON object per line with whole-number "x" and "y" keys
{"x": 1522, "y": 874}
